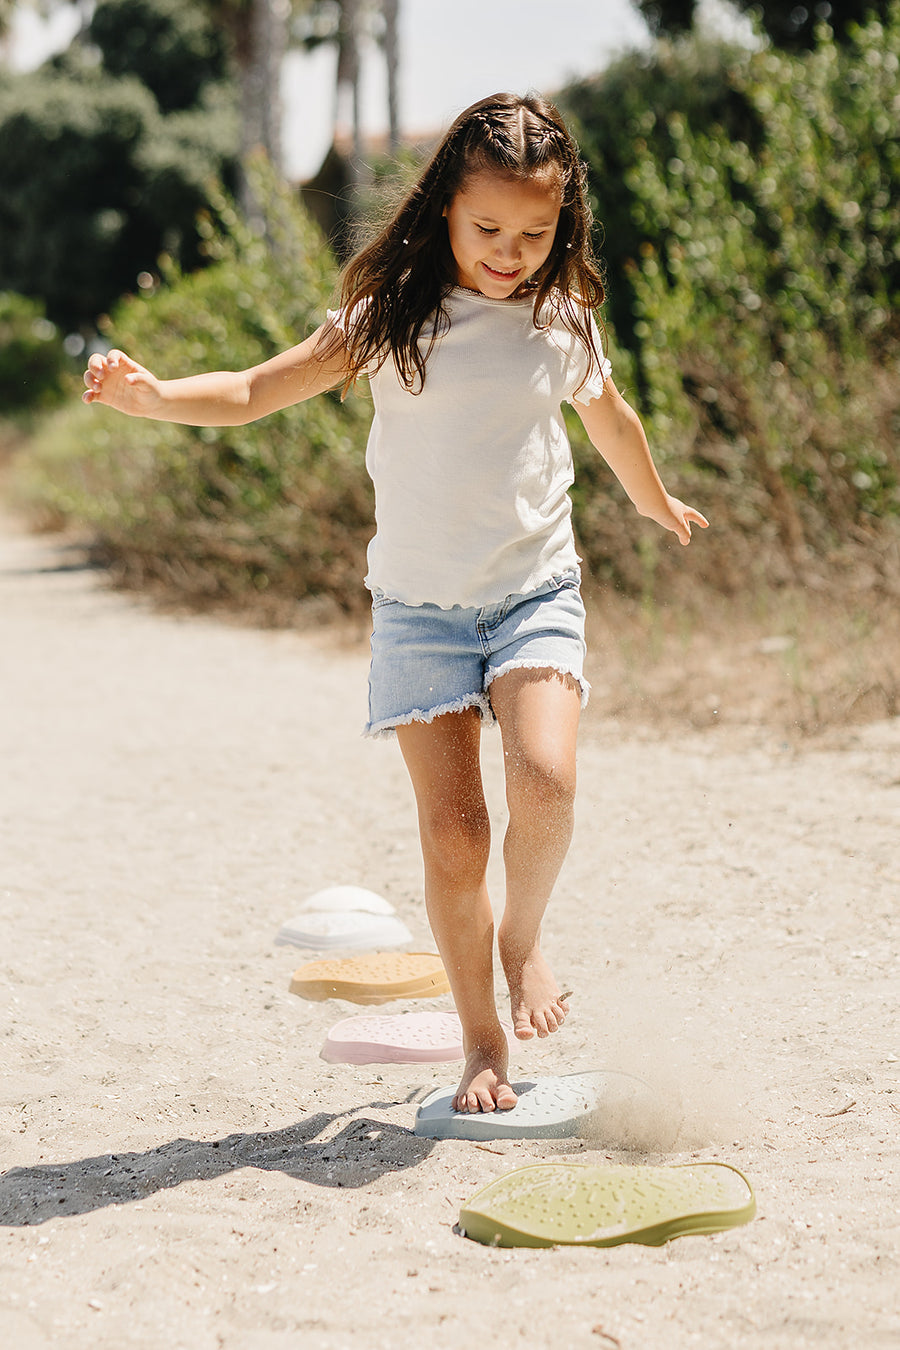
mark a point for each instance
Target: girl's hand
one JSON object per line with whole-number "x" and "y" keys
{"x": 678, "y": 518}
{"x": 118, "y": 382}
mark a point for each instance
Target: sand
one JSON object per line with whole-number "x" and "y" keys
{"x": 180, "y": 1166}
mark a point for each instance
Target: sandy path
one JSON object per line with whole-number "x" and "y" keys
{"x": 182, "y": 1170}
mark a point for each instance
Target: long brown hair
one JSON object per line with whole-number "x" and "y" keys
{"x": 394, "y": 290}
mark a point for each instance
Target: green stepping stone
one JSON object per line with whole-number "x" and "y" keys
{"x": 582, "y": 1205}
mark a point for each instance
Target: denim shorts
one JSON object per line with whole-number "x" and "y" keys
{"x": 427, "y": 661}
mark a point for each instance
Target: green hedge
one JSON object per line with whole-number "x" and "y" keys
{"x": 97, "y": 181}
{"x": 33, "y": 362}
{"x": 757, "y": 246}
{"x": 753, "y": 233}
{"x": 281, "y": 506}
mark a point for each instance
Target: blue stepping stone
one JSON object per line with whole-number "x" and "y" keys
{"x": 548, "y": 1108}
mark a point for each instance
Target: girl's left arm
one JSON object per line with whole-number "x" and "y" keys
{"x": 615, "y": 430}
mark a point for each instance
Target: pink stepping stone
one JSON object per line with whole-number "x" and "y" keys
{"x": 396, "y": 1038}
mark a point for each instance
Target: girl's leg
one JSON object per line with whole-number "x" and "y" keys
{"x": 444, "y": 764}
{"x": 538, "y": 712}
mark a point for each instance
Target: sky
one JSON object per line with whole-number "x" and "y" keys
{"x": 456, "y": 52}
{"x": 451, "y": 54}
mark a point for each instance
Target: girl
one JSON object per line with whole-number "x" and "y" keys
{"x": 471, "y": 313}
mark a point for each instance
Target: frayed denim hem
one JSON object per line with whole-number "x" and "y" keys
{"x": 388, "y": 727}
{"x": 543, "y": 665}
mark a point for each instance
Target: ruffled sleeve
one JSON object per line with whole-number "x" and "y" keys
{"x": 590, "y": 385}
{"x": 594, "y": 384}
{"x": 343, "y": 320}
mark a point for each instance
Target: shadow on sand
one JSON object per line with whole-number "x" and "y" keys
{"x": 77, "y": 557}
{"x": 361, "y": 1152}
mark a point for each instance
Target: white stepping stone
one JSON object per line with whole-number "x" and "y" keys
{"x": 322, "y": 930}
{"x": 548, "y": 1108}
{"x": 348, "y": 898}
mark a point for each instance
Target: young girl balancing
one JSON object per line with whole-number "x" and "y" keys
{"x": 472, "y": 315}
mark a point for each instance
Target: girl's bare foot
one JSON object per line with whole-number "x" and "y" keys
{"x": 485, "y": 1084}
{"x": 537, "y": 1005}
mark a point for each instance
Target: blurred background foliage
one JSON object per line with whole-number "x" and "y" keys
{"x": 749, "y": 204}
{"x": 785, "y": 23}
{"x": 751, "y": 213}
{"x": 33, "y": 362}
{"x": 107, "y": 153}
{"x": 268, "y": 512}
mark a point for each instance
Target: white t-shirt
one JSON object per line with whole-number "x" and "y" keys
{"x": 472, "y": 474}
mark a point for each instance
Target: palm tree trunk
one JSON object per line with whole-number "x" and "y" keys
{"x": 390, "y": 9}
{"x": 261, "y": 46}
{"x": 347, "y": 112}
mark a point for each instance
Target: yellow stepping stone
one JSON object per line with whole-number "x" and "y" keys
{"x": 379, "y": 977}
{"x": 579, "y": 1204}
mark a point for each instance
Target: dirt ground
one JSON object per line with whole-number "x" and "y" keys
{"x": 181, "y": 1169}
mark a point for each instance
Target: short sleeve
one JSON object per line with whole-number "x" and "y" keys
{"x": 591, "y": 385}
{"x": 343, "y": 320}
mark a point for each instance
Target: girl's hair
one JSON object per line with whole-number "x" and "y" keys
{"x": 393, "y": 291}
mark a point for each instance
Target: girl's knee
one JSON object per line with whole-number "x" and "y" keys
{"x": 540, "y": 782}
{"x": 456, "y": 838}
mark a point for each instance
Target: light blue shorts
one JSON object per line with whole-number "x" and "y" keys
{"x": 427, "y": 661}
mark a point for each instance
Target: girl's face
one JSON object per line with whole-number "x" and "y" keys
{"x": 501, "y": 230}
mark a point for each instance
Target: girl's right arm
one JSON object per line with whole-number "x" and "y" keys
{"x": 220, "y": 398}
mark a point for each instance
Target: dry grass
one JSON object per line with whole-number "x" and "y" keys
{"x": 799, "y": 663}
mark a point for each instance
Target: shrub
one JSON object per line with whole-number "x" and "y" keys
{"x": 97, "y": 181}
{"x": 33, "y": 362}
{"x": 762, "y": 275}
{"x": 758, "y": 238}
{"x": 281, "y": 507}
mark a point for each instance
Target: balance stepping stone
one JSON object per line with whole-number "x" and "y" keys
{"x": 379, "y": 977}
{"x": 348, "y": 917}
{"x": 348, "y": 898}
{"x": 548, "y": 1108}
{"x": 396, "y": 1038}
{"x": 577, "y": 1204}
{"x": 324, "y": 930}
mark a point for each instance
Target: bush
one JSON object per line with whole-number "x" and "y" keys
{"x": 760, "y": 254}
{"x": 761, "y": 280}
{"x": 175, "y": 49}
{"x": 279, "y": 508}
{"x": 33, "y": 362}
{"x": 97, "y": 180}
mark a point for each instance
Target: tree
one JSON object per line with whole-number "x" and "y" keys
{"x": 670, "y": 17}
{"x": 348, "y": 24}
{"x": 793, "y": 26}
{"x": 257, "y": 31}
{"x": 97, "y": 180}
{"x": 267, "y": 513}
{"x": 788, "y": 24}
{"x": 171, "y": 47}
{"x": 391, "y": 12}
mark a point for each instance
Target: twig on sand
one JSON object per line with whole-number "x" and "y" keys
{"x": 841, "y": 1111}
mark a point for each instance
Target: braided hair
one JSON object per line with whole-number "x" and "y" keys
{"x": 394, "y": 290}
